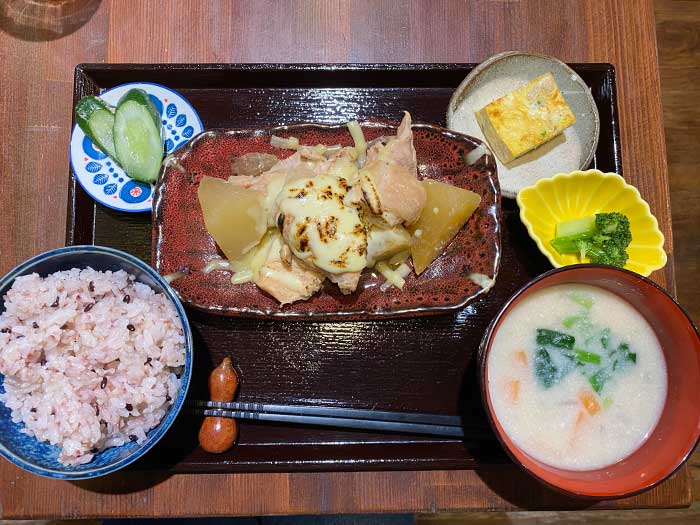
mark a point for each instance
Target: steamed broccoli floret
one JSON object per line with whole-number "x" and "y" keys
{"x": 616, "y": 226}
{"x": 603, "y": 238}
{"x": 609, "y": 253}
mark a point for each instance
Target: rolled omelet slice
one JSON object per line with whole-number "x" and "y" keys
{"x": 525, "y": 118}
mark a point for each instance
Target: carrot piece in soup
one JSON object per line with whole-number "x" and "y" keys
{"x": 579, "y": 423}
{"x": 589, "y": 402}
{"x": 522, "y": 358}
{"x": 514, "y": 391}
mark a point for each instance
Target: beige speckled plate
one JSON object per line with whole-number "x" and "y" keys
{"x": 505, "y": 72}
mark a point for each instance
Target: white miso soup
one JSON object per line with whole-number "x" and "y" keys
{"x": 576, "y": 376}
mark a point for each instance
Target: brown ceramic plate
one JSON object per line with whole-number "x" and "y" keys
{"x": 182, "y": 243}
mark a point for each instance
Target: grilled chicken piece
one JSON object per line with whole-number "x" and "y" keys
{"x": 319, "y": 226}
{"x": 287, "y": 280}
{"x": 392, "y": 192}
{"x": 398, "y": 149}
{"x": 319, "y": 201}
{"x": 389, "y": 179}
{"x": 383, "y": 243}
{"x": 347, "y": 282}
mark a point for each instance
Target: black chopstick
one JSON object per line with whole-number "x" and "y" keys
{"x": 338, "y": 422}
{"x": 336, "y": 412}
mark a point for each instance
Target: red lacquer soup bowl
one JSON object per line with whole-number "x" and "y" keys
{"x": 678, "y": 429}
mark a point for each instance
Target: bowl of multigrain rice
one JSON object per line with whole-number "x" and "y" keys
{"x": 95, "y": 361}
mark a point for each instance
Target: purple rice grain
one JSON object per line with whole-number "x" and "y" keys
{"x": 130, "y": 327}
{"x": 127, "y": 298}
{"x": 103, "y": 384}
{"x": 88, "y": 307}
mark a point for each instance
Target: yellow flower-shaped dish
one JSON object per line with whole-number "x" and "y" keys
{"x": 579, "y": 194}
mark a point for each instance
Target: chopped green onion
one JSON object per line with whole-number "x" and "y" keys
{"x": 587, "y": 357}
{"x": 624, "y": 350}
{"x": 571, "y": 321}
{"x": 584, "y": 300}
{"x": 599, "y": 379}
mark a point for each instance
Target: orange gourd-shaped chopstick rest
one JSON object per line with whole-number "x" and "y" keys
{"x": 218, "y": 434}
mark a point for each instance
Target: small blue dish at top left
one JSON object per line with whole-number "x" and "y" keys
{"x": 102, "y": 178}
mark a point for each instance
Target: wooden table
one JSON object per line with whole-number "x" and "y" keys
{"x": 35, "y": 112}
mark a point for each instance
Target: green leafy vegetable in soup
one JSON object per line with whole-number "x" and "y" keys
{"x": 554, "y": 338}
{"x": 546, "y": 373}
{"x": 580, "y": 345}
{"x": 576, "y": 377}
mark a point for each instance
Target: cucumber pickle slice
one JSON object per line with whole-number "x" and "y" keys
{"x": 96, "y": 119}
{"x": 137, "y": 136}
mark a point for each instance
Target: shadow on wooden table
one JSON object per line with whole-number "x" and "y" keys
{"x": 124, "y": 482}
{"x": 522, "y": 491}
{"x": 44, "y": 20}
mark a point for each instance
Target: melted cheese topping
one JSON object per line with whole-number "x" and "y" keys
{"x": 321, "y": 226}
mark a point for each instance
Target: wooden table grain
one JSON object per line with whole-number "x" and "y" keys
{"x": 35, "y": 113}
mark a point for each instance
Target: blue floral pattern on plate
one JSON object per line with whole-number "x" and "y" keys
{"x": 102, "y": 178}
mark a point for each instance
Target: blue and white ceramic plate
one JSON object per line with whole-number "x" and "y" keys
{"x": 102, "y": 178}
{"x": 42, "y": 458}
